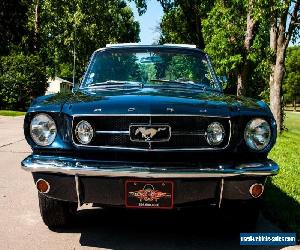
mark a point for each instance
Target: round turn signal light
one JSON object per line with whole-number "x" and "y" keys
{"x": 256, "y": 190}
{"x": 42, "y": 186}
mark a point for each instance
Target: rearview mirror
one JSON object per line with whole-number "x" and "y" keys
{"x": 151, "y": 59}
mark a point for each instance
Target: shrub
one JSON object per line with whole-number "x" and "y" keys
{"x": 22, "y": 78}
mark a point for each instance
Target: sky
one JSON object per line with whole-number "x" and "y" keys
{"x": 148, "y": 21}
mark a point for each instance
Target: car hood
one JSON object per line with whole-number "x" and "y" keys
{"x": 182, "y": 101}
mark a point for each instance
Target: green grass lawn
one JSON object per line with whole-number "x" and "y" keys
{"x": 11, "y": 113}
{"x": 282, "y": 200}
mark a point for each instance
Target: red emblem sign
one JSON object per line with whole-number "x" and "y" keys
{"x": 149, "y": 194}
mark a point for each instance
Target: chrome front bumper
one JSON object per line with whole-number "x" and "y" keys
{"x": 83, "y": 167}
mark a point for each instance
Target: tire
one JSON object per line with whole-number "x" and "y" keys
{"x": 56, "y": 213}
{"x": 243, "y": 215}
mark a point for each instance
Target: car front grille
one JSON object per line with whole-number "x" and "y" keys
{"x": 187, "y": 132}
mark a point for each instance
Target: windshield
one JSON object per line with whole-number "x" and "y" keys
{"x": 156, "y": 68}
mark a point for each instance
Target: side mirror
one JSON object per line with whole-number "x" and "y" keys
{"x": 223, "y": 80}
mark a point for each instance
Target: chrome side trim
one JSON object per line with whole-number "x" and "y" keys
{"x": 72, "y": 166}
{"x": 116, "y": 132}
{"x": 151, "y": 149}
{"x": 131, "y": 114}
{"x": 112, "y": 132}
{"x": 188, "y": 133}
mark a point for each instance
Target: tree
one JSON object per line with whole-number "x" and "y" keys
{"x": 284, "y": 25}
{"x": 235, "y": 34}
{"x": 216, "y": 27}
{"x": 58, "y": 27}
{"x": 43, "y": 35}
{"x": 182, "y": 20}
{"x": 22, "y": 78}
{"x": 292, "y": 77}
{"x": 13, "y": 22}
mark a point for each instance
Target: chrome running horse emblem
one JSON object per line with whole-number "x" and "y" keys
{"x": 149, "y": 133}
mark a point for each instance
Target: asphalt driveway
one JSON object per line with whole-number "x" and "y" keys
{"x": 21, "y": 226}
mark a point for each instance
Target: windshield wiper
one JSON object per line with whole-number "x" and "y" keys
{"x": 177, "y": 82}
{"x": 114, "y": 83}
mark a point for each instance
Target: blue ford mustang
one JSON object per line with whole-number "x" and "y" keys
{"x": 149, "y": 128}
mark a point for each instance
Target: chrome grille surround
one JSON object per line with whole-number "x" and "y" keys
{"x": 124, "y": 135}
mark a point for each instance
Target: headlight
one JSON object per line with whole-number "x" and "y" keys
{"x": 257, "y": 134}
{"x": 215, "y": 133}
{"x": 84, "y": 132}
{"x": 43, "y": 129}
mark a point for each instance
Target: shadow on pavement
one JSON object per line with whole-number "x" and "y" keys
{"x": 123, "y": 229}
{"x": 281, "y": 208}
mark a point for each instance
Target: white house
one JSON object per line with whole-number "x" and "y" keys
{"x": 57, "y": 85}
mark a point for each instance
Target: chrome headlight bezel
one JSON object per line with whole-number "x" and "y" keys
{"x": 212, "y": 129}
{"x": 252, "y": 132}
{"x": 37, "y": 135}
{"x": 77, "y": 132}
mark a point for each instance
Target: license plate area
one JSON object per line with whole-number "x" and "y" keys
{"x": 149, "y": 194}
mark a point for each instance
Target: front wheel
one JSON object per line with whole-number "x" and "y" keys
{"x": 56, "y": 213}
